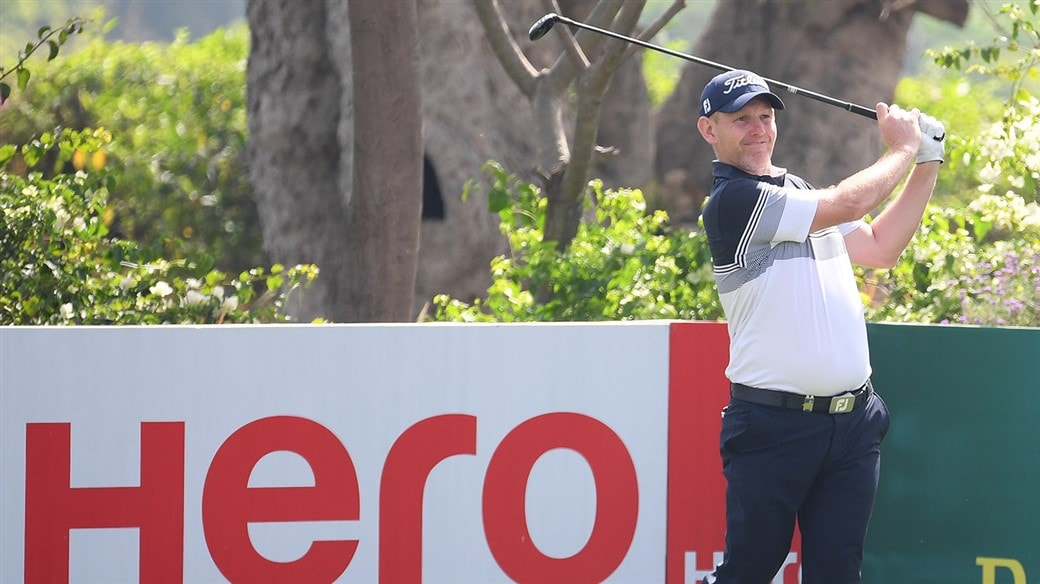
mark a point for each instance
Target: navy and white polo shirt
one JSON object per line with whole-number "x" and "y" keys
{"x": 795, "y": 315}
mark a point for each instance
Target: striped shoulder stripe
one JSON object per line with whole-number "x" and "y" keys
{"x": 740, "y": 255}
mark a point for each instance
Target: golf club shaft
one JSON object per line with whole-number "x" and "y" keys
{"x": 546, "y": 22}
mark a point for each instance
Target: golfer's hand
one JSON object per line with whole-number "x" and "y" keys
{"x": 900, "y": 129}
{"x": 933, "y": 140}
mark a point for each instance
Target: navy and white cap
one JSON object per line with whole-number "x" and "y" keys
{"x": 732, "y": 90}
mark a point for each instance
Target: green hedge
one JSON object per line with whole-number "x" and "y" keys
{"x": 177, "y": 116}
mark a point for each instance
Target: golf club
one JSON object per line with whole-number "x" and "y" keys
{"x": 540, "y": 28}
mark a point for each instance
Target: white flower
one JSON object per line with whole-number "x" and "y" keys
{"x": 66, "y": 311}
{"x": 161, "y": 288}
{"x": 61, "y": 218}
{"x": 125, "y": 283}
{"x": 194, "y": 297}
{"x": 230, "y": 304}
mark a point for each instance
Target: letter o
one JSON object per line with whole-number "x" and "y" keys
{"x": 505, "y": 490}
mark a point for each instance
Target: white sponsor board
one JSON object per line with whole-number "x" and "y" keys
{"x": 471, "y": 412}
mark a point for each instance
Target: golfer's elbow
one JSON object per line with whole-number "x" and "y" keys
{"x": 871, "y": 253}
{"x": 887, "y": 260}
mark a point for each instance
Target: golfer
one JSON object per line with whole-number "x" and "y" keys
{"x": 801, "y": 435}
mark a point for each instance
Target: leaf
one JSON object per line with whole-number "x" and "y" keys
{"x": 5, "y": 92}
{"x": 498, "y": 199}
{"x": 43, "y": 30}
{"x": 23, "y": 77}
{"x": 54, "y": 50}
{"x": 981, "y": 227}
{"x": 7, "y": 152}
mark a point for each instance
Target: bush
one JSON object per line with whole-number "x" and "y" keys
{"x": 978, "y": 264}
{"x": 178, "y": 119}
{"x": 624, "y": 265}
{"x": 58, "y": 265}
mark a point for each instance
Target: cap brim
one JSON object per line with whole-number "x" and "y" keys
{"x": 743, "y": 100}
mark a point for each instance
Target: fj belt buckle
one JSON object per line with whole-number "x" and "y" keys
{"x": 842, "y": 404}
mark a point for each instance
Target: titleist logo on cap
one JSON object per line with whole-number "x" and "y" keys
{"x": 732, "y": 90}
{"x": 749, "y": 79}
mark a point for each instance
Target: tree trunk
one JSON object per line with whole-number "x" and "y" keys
{"x": 294, "y": 99}
{"x": 472, "y": 113}
{"x": 388, "y": 161}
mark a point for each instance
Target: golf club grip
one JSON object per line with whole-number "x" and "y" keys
{"x": 845, "y": 105}
{"x": 863, "y": 111}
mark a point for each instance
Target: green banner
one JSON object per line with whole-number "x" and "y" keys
{"x": 959, "y": 499}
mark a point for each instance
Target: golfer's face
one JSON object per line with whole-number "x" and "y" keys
{"x": 745, "y": 138}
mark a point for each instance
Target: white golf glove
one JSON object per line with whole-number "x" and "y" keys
{"x": 933, "y": 140}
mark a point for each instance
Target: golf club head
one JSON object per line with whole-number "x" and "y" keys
{"x": 543, "y": 25}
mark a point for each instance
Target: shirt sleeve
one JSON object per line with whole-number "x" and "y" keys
{"x": 799, "y": 209}
{"x": 847, "y": 228}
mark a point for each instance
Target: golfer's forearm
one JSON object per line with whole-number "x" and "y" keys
{"x": 862, "y": 192}
{"x": 896, "y": 225}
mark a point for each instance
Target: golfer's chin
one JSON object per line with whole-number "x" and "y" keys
{"x": 759, "y": 164}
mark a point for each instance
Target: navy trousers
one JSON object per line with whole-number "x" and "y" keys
{"x": 783, "y": 464}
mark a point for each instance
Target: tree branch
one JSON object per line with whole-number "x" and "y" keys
{"x": 592, "y": 87}
{"x": 513, "y": 60}
{"x": 570, "y": 45}
{"x": 657, "y": 25}
{"x": 564, "y": 70}
{"x": 604, "y": 69}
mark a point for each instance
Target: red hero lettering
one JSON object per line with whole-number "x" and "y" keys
{"x": 229, "y": 504}
{"x": 505, "y": 488}
{"x": 411, "y": 459}
{"x": 53, "y": 506}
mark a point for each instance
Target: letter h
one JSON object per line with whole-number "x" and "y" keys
{"x": 53, "y": 506}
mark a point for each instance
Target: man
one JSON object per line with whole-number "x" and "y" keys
{"x": 801, "y": 435}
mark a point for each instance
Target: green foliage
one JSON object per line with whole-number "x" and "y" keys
{"x": 58, "y": 264}
{"x": 53, "y": 38}
{"x": 662, "y": 71}
{"x": 177, "y": 113}
{"x": 978, "y": 264}
{"x": 1005, "y": 153}
{"x": 623, "y": 265}
{"x": 1013, "y": 55}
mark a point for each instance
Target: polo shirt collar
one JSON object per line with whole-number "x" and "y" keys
{"x": 727, "y": 171}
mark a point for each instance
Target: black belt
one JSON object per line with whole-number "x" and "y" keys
{"x": 837, "y": 404}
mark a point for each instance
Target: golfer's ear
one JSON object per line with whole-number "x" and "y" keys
{"x": 707, "y": 130}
